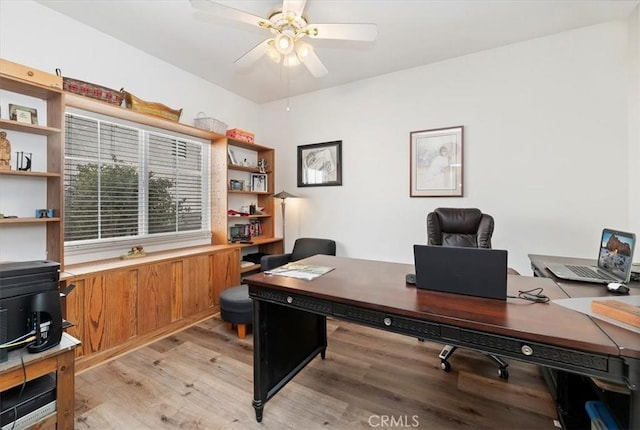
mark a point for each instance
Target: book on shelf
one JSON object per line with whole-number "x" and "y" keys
{"x": 300, "y": 271}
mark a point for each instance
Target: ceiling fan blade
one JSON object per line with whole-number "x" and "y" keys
{"x": 253, "y": 54}
{"x": 315, "y": 66}
{"x": 227, "y": 12}
{"x": 295, "y": 6}
{"x": 361, "y": 32}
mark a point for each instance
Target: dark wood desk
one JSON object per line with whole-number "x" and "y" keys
{"x": 627, "y": 341}
{"x": 290, "y": 326}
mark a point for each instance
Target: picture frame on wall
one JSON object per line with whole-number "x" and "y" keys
{"x": 259, "y": 183}
{"x": 436, "y": 162}
{"x": 25, "y": 115}
{"x": 320, "y": 164}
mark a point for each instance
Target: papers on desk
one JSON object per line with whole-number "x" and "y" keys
{"x": 583, "y": 304}
{"x": 300, "y": 271}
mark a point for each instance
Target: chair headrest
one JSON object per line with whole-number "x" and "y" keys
{"x": 459, "y": 220}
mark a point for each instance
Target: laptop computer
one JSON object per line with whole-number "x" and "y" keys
{"x": 479, "y": 272}
{"x": 615, "y": 254}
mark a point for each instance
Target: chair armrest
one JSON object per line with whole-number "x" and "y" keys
{"x": 268, "y": 262}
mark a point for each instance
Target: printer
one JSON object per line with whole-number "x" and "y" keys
{"x": 29, "y": 306}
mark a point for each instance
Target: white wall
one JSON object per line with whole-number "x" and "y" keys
{"x": 546, "y": 133}
{"x": 549, "y": 124}
{"x": 37, "y": 36}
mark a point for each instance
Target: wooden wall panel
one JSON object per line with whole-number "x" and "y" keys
{"x": 225, "y": 272}
{"x": 95, "y": 309}
{"x": 195, "y": 289}
{"x": 156, "y": 292}
{"x": 109, "y": 301}
{"x": 177, "y": 286}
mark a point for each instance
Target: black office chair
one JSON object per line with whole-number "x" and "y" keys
{"x": 464, "y": 227}
{"x": 302, "y": 248}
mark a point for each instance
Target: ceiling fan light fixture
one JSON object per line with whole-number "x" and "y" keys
{"x": 272, "y": 52}
{"x": 303, "y": 49}
{"x": 284, "y": 43}
{"x": 290, "y": 60}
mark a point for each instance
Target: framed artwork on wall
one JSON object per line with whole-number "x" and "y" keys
{"x": 320, "y": 164}
{"x": 436, "y": 162}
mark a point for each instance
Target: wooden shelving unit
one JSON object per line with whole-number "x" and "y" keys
{"x": 51, "y": 129}
{"x": 226, "y": 198}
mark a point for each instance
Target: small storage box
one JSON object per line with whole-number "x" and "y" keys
{"x": 238, "y": 134}
{"x": 210, "y": 124}
{"x": 600, "y": 416}
{"x": 30, "y": 74}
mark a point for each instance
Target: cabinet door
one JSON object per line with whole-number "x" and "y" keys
{"x": 197, "y": 288}
{"x": 157, "y": 291}
{"x": 226, "y": 272}
{"x": 110, "y": 310}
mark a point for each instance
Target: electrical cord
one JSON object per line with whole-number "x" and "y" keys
{"x": 532, "y": 295}
{"x": 17, "y": 343}
{"x": 24, "y": 384}
{"x": 17, "y": 339}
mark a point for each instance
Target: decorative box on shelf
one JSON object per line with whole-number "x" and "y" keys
{"x": 242, "y": 135}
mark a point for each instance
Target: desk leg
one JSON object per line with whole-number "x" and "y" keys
{"x": 65, "y": 375}
{"x": 285, "y": 340}
{"x": 634, "y": 386}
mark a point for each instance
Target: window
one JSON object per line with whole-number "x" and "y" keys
{"x": 128, "y": 182}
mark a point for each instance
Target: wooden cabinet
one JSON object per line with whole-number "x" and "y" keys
{"x": 243, "y": 185}
{"x": 23, "y": 192}
{"x": 120, "y": 305}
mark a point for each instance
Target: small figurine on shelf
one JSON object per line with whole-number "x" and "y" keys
{"x": 23, "y": 161}
{"x": 262, "y": 165}
{"x": 5, "y": 151}
{"x": 136, "y": 252}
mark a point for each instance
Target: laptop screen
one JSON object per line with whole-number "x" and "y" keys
{"x": 470, "y": 271}
{"x": 616, "y": 252}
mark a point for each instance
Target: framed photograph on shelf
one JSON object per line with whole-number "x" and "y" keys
{"x": 258, "y": 182}
{"x": 23, "y": 114}
{"x": 436, "y": 162}
{"x": 236, "y": 185}
{"x": 320, "y": 164}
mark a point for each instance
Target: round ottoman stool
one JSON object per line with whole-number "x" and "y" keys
{"x": 236, "y": 308}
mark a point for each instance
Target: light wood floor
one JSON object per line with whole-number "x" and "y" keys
{"x": 201, "y": 378}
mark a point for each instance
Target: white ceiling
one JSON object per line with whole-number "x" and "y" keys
{"x": 410, "y": 33}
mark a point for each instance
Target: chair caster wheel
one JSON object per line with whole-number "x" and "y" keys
{"x": 444, "y": 365}
{"x": 503, "y": 373}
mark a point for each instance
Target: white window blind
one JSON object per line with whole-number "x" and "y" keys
{"x": 124, "y": 181}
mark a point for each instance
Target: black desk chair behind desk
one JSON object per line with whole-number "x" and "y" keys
{"x": 466, "y": 227}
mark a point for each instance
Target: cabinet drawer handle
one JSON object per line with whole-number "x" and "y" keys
{"x": 387, "y": 321}
{"x": 289, "y": 299}
{"x": 526, "y": 350}
{"x": 29, "y": 73}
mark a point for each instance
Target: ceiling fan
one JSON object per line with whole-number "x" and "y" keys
{"x": 289, "y": 27}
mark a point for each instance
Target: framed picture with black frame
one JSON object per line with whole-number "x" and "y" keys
{"x": 320, "y": 164}
{"x": 259, "y": 183}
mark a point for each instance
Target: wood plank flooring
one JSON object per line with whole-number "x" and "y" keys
{"x": 201, "y": 378}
